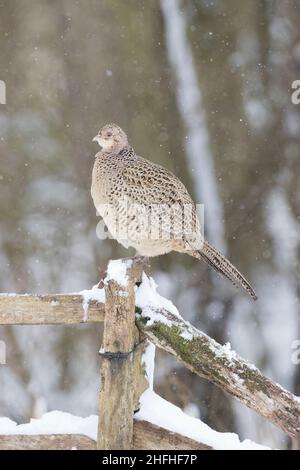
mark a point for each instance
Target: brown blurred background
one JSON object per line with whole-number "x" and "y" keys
{"x": 202, "y": 87}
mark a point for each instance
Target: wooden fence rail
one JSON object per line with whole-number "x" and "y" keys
{"x": 123, "y": 379}
{"x": 145, "y": 436}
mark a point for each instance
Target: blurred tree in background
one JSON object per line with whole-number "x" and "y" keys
{"x": 213, "y": 104}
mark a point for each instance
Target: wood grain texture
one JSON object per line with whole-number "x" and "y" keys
{"x": 148, "y": 436}
{"x": 64, "y": 309}
{"x": 119, "y": 368}
{"x": 47, "y": 442}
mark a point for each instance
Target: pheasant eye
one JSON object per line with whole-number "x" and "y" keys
{"x": 109, "y": 134}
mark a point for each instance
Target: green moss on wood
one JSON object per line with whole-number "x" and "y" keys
{"x": 253, "y": 380}
{"x": 189, "y": 351}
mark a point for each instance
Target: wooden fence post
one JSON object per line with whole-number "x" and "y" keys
{"x": 122, "y": 377}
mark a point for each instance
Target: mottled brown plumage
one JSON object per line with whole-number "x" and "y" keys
{"x": 146, "y": 207}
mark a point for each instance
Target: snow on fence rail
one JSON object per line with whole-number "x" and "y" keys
{"x": 133, "y": 313}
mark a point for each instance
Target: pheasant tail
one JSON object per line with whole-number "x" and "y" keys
{"x": 214, "y": 258}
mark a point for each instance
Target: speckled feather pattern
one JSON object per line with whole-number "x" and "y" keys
{"x": 143, "y": 184}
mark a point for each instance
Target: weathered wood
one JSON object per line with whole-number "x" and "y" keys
{"x": 146, "y": 436}
{"x": 140, "y": 379}
{"x": 47, "y": 309}
{"x": 47, "y": 442}
{"x": 216, "y": 363}
{"x": 57, "y": 309}
{"x": 119, "y": 368}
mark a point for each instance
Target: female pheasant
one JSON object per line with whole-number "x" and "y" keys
{"x": 148, "y": 208}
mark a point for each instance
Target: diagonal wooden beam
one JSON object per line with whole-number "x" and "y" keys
{"x": 221, "y": 366}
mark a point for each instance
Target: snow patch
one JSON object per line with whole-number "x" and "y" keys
{"x": 117, "y": 271}
{"x": 225, "y": 351}
{"x": 89, "y": 295}
{"x": 153, "y": 409}
{"x": 162, "y": 413}
{"x": 149, "y": 301}
{"x": 187, "y": 335}
{"x": 54, "y": 422}
{"x": 148, "y": 360}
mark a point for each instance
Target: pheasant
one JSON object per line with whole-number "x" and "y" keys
{"x": 147, "y": 207}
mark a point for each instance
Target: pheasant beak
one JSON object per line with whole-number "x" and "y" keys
{"x": 96, "y": 138}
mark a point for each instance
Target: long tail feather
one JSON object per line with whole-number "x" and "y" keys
{"x": 221, "y": 264}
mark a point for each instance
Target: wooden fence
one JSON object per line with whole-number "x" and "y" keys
{"x": 127, "y": 328}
